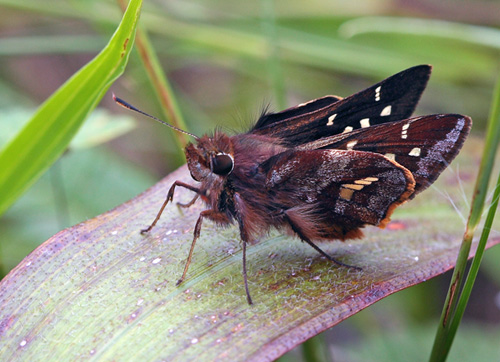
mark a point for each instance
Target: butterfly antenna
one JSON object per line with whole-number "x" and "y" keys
{"x": 126, "y": 105}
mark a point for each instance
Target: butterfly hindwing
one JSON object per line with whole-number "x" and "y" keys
{"x": 393, "y": 99}
{"x": 339, "y": 190}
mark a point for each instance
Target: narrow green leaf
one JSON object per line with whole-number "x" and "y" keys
{"x": 55, "y": 123}
{"x": 451, "y": 314}
{"x": 163, "y": 91}
{"x": 50, "y": 44}
{"x": 480, "y": 35}
{"x": 275, "y": 71}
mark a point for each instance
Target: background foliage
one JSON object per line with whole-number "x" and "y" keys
{"x": 226, "y": 60}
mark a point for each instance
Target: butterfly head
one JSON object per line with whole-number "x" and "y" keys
{"x": 210, "y": 156}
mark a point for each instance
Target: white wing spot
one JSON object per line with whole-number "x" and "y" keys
{"x": 386, "y": 111}
{"x": 351, "y": 144}
{"x": 404, "y": 131}
{"x": 377, "y": 93}
{"x": 330, "y": 119}
{"x": 356, "y": 187}
{"x": 364, "y": 181}
{"x": 347, "y": 190}
{"x": 415, "y": 152}
{"x": 390, "y": 156}
{"x": 346, "y": 194}
{"x": 348, "y": 129}
{"x": 365, "y": 122}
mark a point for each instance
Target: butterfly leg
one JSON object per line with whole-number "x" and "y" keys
{"x": 245, "y": 238}
{"x": 170, "y": 196}
{"x": 210, "y": 214}
{"x": 190, "y": 202}
{"x": 296, "y": 229}
{"x": 249, "y": 298}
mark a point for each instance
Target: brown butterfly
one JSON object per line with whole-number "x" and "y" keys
{"x": 323, "y": 169}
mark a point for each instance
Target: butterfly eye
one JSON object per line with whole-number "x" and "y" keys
{"x": 222, "y": 164}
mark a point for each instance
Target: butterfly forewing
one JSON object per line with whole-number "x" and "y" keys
{"x": 390, "y": 100}
{"x": 300, "y": 110}
{"x": 424, "y": 145}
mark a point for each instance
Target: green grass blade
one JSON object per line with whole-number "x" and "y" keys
{"x": 50, "y": 130}
{"x": 45, "y": 44}
{"x": 480, "y": 35}
{"x": 471, "y": 277}
{"x": 451, "y": 314}
{"x": 163, "y": 90}
{"x": 275, "y": 71}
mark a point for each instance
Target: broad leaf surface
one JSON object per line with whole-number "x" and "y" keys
{"x": 100, "y": 290}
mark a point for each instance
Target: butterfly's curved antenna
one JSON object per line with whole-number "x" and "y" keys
{"x": 127, "y": 105}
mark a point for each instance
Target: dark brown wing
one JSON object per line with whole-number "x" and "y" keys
{"x": 393, "y": 99}
{"x": 293, "y": 112}
{"x": 424, "y": 145}
{"x": 334, "y": 192}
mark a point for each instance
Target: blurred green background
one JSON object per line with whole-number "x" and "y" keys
{"x": 226, "y": 60}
